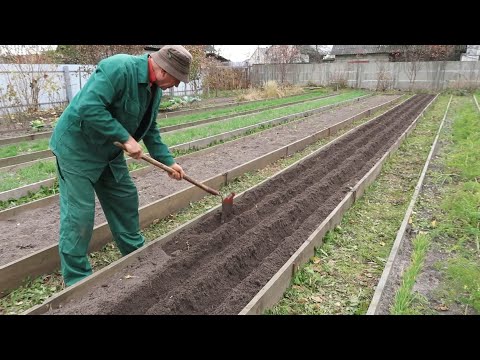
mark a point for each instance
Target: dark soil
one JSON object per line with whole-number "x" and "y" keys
{"x": 215, "y": 268}
{"x": 33, "y": 230}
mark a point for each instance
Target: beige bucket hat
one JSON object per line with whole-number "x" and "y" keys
{"x": 175, "y": 60}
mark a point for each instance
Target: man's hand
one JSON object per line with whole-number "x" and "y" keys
{"x": 179, "y": 173}
{"x": 133, "y": 148}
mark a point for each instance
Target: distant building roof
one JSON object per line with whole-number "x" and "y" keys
{"x": 258, "y": 56}
{"x": 312, "y": 50}
{"x": 217, "y": 57}
{"x": 315, "y": 53}
{"x": 473, "y": 50}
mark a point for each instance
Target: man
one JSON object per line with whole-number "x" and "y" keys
{"x": 119, "y": 102}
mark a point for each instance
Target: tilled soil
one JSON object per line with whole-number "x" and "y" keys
{"x": 33, "y": 230}
{"x": 215, "y": 268}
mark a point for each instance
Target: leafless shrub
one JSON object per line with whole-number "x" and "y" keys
{"x": 463, "y": 85}
{"x": 282, "y": 55}
{"x": 25, "y": 79}
{"x": 338, "y": 79}
{"x": 384, "y": 79}
{"x": 270, "y": 89}
{"x": 92, "y": 54}
{"x": 217, "y": 77}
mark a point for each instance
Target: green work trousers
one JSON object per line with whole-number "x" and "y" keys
{"x": 119, "y": 201}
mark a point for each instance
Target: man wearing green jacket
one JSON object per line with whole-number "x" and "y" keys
{"x": 119, "y": 102}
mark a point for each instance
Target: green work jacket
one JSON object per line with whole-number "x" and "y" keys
{"x": 110, "y": 107}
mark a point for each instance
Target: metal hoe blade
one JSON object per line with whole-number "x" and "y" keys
{"x": 227, "y": 207}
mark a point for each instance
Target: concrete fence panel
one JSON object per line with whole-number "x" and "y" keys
{"x": 374, "y": 75}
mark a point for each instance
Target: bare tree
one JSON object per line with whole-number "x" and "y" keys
{"x": 281, "y": 55}
{"x": 92, "y": 54}
{"x": 338, "y": 79}
{"x": 26, "y": 78}
{"x": 198, "y": 60}
{"x": 412, "y": 55}
{"x": 216, "y": 77}
{"x": 384, "y": 80}
{"x": 211, "y": 76}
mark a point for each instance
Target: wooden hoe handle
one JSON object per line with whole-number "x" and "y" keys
{"x": 171, "y": 171}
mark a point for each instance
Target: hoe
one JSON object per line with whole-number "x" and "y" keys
{"x": 227, "y": 202}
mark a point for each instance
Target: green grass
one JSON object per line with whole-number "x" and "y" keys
{"x": 43, "y": 172}
{"x": 448, "y": 210}
{"x": 477, "y": 97}
{"x": 34, "y": 292}
{"x": 207, "y": 130}
{"x": 462, "y": 281}
{"x": 25, "y": 147}
{"x": 39, "y": 289}
{"x": 136, "y": 166}
{"x": 212, "y": 129}
{"x": 235, "y": 109}
{"x": 404, "y": 296}
{"x": 461, "y": 214}
{"x": 31, "y": 196}
{"x": 465, "y": 157}
{"x": 42, "y": 144}
{"x": 459, "y": 219}
{"x": 342, "y": 276}
{"x": 38, "y": 172}
{"x": 28, "y": 175}
{"x": 221, "y": 93}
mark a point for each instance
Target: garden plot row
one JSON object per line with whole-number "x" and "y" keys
{"x": 14, "y": 136}
{"x": 35, "y": 236}
{"x": 184, "y": 124}
{"x": 383, "y": 291}
{"x": 206, "y": 267}
{"x": 252, "y": 105}
{"x": 206, "y": 136}
{"x": 417, "y": 266}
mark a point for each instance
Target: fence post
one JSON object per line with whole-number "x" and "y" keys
{"x": 68, "y": 86}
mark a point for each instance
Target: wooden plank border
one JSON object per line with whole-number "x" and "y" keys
{"x": 164, "y": 115}
{"x": 81, "y": 287}
{"x": 273, "y": 291}
{"x": 377, "y": 296}
{"x": 47, "y": 259}
{"x": 196, "y": 144}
